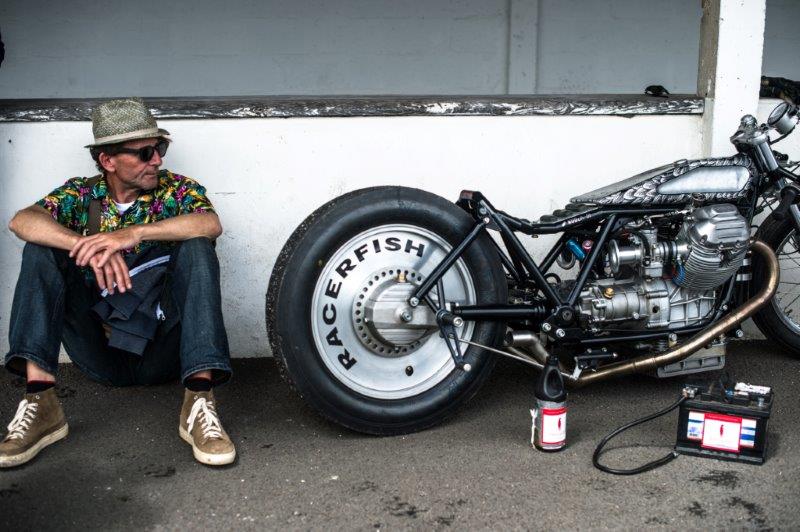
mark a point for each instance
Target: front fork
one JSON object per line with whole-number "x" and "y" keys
{"x": 794, "y": 210}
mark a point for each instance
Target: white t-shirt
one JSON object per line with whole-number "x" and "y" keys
{"x": 122, "y": 207}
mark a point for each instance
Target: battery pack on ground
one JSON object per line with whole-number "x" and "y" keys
{"x": 728, "y": 424}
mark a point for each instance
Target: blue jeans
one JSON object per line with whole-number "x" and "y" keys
{"x": 52, "y": 305}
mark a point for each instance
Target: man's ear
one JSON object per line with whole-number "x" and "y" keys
{"x": 107, "y": 162}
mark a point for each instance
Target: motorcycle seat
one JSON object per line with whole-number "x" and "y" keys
{"x": 571, "y": 210}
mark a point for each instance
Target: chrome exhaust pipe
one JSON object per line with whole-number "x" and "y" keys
{"x": 530, "y": 342}
{"x": 679, "y": 352}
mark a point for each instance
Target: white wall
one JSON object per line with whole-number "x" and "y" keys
{"x": 730, "y": 64}
{"x": 266, "y": 175}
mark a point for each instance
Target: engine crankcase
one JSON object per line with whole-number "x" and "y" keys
{"x": 654, "y": 303}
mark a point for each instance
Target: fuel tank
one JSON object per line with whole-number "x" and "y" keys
{"x": 719, "y": 179}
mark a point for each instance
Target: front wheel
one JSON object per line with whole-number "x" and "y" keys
{"x": 339, "y": 323}
{"x": 779, "y": 319}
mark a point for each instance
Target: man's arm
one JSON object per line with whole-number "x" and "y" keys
{"x": 35, "y": 224}
{"x": 183, "y": 227}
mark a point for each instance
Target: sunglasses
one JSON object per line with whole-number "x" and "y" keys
{"x": 146, "y": 153}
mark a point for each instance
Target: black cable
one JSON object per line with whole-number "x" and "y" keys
{"x": 646, "y": 467}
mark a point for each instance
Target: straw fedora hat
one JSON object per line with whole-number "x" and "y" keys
{"x": 122, "y": 120}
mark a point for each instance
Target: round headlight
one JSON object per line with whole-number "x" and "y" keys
{"x": 783, "y": 118}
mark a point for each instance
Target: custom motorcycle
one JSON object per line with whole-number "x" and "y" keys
{"x": 387, "y": 305}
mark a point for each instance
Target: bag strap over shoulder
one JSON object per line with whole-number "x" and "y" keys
{"x": 95, "y": 209}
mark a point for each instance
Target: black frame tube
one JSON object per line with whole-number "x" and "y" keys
{"x": 514, "y": 258}
{"x": 590, "y": 260}
{"x": 603, "y": 340}
{"x": 513, "y": 271}
{"x": 524, "y": 256}
{"x": 475, "y": 312}
{"x": 552, "y": 255}
{"x": 448, "y": 261}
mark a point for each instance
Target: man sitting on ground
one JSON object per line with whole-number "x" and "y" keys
{"x": 81, "y": 240}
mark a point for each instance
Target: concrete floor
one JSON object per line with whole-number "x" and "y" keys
{"x": 123, "y": 465}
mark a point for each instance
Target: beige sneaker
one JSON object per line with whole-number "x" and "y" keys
{"x": 39, "y": 421}
{"x": 200, "y": 427}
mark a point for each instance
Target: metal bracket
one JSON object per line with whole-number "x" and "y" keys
{"x": 591, "y": 358}
{"x": 448, "y": 323}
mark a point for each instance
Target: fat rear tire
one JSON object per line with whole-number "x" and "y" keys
{"x": 290, "y": 299}
{"x": 769, "y": 320}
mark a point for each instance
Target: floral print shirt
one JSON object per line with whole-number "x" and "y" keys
{"x": 174, "y": 195}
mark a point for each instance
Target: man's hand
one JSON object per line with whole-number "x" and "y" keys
{"x": 105, "y": 245}
{"x": 102, "y": 253}
{"x": 114, "y": 271}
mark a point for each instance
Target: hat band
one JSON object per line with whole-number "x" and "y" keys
{"x": 139, "y": 133}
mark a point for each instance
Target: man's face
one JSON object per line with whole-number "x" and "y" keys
{"x": 131, "y": 171}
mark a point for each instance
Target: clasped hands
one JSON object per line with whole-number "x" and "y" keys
{"x": 102, "y": 252}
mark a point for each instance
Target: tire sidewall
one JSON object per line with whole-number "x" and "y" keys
{"x": 346, "y": 218}
{"x": 772, "y": 232}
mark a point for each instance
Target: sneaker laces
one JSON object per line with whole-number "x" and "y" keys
{"x": 211, "y": 426}
{"x": 26, "y": 411}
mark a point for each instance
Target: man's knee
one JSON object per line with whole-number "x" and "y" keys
{"x": 198, "y": 248}
{"x": 196, "y": 254}
{"x": 34, "y": 254}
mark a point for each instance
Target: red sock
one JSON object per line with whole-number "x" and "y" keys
{"x": 38, "y": 386}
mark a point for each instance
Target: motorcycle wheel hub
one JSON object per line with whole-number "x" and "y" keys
{"x": 414, "y": 357}
{"x": 385, "y": 322}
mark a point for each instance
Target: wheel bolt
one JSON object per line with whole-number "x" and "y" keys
{"x": 409, "y": 371}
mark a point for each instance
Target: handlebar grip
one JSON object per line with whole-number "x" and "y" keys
{"x": 788, "y": 197}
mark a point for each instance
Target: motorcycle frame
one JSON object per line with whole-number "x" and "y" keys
{"x": 523, "y": 269}
{"x": 556, "y": 316}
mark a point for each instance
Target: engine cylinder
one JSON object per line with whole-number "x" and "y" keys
{"x": 717, "y": 236}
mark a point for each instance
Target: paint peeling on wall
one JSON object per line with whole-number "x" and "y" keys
{"x": 42, "y": 110}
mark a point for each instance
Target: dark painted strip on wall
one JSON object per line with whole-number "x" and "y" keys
{"x": 45, "y": 110}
